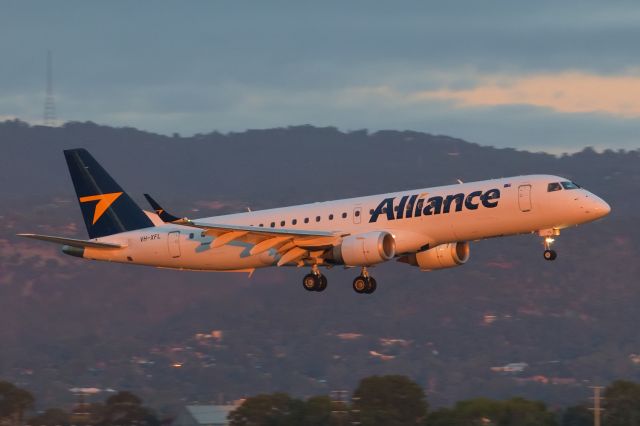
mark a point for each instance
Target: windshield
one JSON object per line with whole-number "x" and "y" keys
{"x": 570, "y": 185}
{"x": 555, "y": 186}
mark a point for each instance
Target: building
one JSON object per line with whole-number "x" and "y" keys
{"x": 204, "y": 415}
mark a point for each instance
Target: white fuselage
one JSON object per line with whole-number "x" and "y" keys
{"x": 515, "y": 205}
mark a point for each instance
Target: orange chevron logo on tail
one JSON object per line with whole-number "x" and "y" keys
{"x": 104, "y": 202}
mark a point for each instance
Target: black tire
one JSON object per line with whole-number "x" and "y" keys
{"x": 372, "y": 285}
{"x": 323, "y": 283}
{"x": 311, "y": 282}
{"x": 550, "y": 255}
{"x": 360, "y": 285}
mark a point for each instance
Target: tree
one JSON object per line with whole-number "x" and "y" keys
{"x": 524, "y": 412}
{"x": 51, "y": 417}
{"x": 14, "y": 402}
{"x": 317, "y": 411}
{"x": 488, "y": 412}
{"x": 390, "y": 401}
{"x": 622, "y": 404}
{"x": 577, "y": 415}
{"x": 125, "y": 409}
{"x": 277, "y": 409}
{"x": 478, "y": 411}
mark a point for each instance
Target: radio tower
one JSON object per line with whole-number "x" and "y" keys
{"x": 49, "y": 102}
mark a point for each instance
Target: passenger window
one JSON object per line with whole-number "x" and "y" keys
{"x": 317, "y": 218}
{"x": 357, "y": 213}
{"x": 261, "y": 225}
{"x": 191, "y": 236}
{"x": 306, "y": 220}
{"x": 555, "y": 186}
{"x": 370, "y": 211}
{"x": 331, "y": 217}
{"x": 282, "y": 222}
{"x": 294, "y": 221}
{"x": 344, "y": 215}
{"x": 570, "y": 185}
{"x": 273, "y": 224}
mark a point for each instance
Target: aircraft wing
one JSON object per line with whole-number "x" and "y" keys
{"x": 72, "y": 241}
{"x": 293, "y": 245}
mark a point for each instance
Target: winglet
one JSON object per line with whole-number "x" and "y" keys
{"x": 166, "y": 217}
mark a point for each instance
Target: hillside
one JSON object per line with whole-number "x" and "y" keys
{"x": 182, "y": 336}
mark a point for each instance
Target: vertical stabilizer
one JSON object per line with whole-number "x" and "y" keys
{"x": 106, "y": 208}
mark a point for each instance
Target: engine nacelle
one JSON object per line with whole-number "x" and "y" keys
{"x": 365, "y": 249}
{"x": 440, "y": 257}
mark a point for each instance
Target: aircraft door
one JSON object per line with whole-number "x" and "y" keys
{"x": 524, "y": 197}
{"x": 357, "y": 214}
{"x": 174, "y": 244}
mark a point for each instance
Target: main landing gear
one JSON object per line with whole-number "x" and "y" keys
{"x": 364, "y": 283}
{"x": 314, "y": 281}
{"x": 548, "y": 235}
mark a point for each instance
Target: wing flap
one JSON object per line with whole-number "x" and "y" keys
{"x": 227, "y": 238}
{"x": 293, "y": 255}
{"x": 267, "y": 244}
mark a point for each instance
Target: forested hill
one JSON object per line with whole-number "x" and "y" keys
{"x": 182, "y": 336}
{"x": 272, "y": 166}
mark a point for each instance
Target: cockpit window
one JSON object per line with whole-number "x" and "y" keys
{"x": 555, "y": 186}
{"x": 570, "y": 185}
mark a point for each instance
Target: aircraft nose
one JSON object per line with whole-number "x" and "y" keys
{"x": 596, "y": 206}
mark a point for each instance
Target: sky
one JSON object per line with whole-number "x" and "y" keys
{"x": 544, "y": 76}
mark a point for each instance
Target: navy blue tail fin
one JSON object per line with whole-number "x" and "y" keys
{"x": 106, "y": 208}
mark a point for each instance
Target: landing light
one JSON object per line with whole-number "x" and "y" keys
{"x": 549, "y": 240}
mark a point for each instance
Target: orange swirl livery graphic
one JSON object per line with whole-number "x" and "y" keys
{"x": 104, "y": 201}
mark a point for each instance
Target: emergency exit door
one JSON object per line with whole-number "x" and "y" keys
{"x": 174, "y": 244}
{"x": 524, "y": 197}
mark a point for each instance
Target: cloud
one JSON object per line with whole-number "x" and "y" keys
{"x": 566, "y": 92}
{"x": 347, "y": 64}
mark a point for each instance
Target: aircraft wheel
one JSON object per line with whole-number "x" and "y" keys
{"x": 322, "y": 284}
{"x": 372, "y": 285}
{"x": 360, "y": 284}
{"x": 311, "y": 282}
{"x": 550, "y": 254}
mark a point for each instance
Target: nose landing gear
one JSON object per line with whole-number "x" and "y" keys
{"x": 364, "y": 283}
{"x": 550, "y": 255}
{"x": 314, "y": 281}
{"x": 548, "y": 235}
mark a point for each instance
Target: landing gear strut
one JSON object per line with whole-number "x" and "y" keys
{"x": 314, "y": 281}
{"x": 364, "y": 283}
{"x": 548, "y": 235}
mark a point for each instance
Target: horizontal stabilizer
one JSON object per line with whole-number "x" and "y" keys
{"x": 73, "y": 242}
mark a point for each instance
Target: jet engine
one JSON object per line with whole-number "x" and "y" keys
{"x": 439, "y": 257}
{"x": 365, "y": 249}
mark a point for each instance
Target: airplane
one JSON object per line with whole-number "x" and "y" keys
{"x": 427, "y": 228}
